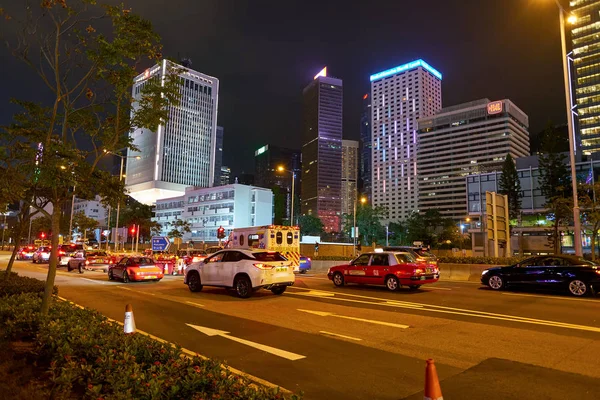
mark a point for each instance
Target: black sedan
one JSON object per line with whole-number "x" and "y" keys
{"x": 574, "y": 274}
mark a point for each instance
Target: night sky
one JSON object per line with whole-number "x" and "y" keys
{"x": 265, "y": 52}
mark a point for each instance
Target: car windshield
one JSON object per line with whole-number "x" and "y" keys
{"x": 424, "y": 253}
{"x": 142, "y": 261}
{"x": 268, "y": 256}
{"x": 405, "y": 258}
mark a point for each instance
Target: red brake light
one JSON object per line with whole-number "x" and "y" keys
{"x": 598, "y": 271}
{"x": 418, "y": 271}
{"x": 262, "y": 266}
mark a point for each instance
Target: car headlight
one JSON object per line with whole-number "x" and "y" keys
{"x": 485, "y": 271}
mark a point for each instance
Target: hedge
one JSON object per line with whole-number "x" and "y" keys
{"x": 15, "y": 284}
{"x": 480, "y": 260}
{"x": 89, "y": 357}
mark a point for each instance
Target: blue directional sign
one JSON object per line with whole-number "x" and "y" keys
{"x": 160, "y": 243}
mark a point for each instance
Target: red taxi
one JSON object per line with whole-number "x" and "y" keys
{"x": 135, "y": 269}
{"x": 25, "y": 253}
{"x": 390, "y": 268}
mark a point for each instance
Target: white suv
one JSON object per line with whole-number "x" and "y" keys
{"x": 243, "y": 270}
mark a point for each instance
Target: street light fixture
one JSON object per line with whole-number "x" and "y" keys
{"x": 576, "y": 218}
{"x": 120, "y": 179}
{"x": 363, "y": 200}
{"x": 282, "y": 169}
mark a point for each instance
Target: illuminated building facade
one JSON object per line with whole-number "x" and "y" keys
{"x": 349, "y": 175}
{"x": 181, "y": 152}
{"x": 466, "y": 139}
{"x": 400, "y": 96}
{"x": 366, "y": 148}
{"x": 585, "y": 36}
{"x": 322, "y": 151}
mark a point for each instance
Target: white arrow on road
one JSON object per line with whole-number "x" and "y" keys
{"x": 272, "y": 350}
{"x": 330, "y": 314}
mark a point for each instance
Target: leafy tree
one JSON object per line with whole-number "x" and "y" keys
{"x": 555, "y": 185}
{"x": 398, "y": 234}
{"x": 591, "y": 213}
{"x": 431, "y": 228}
{"x": 310, "y": 225}
{"x": 84, "y": 223}
{"x": 136, "y": 213}
{"x": 368, "y": 221}
{"x": 89, "y": 74}
{"x": 179, "y": 228}
{"x": 510, "y": 185}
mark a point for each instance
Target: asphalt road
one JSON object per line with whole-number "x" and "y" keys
{"x": 360, "y": 342}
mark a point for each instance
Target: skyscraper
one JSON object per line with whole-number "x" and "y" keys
{"x": 585, "y": 35}
{"x": 181, "y": 152}
{"x": 366, "y": 147}
{"x": 463, "y": 140}
{"x": 400, "y": 96}
{"x": 322, "y": 150}
{"x": 349, "y": 175}
{"x": 218, "y": 156}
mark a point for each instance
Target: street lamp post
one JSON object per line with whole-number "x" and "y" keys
{"x": 362, "y": 200}
{"x": 576, "y": 217}
{"x": 282, "y": 169}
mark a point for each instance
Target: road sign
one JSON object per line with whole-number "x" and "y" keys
{"x": 160, "y": 243}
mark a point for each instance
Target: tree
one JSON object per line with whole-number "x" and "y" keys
{"x": 88, "y": 73}
{"x": 591, "y": 213}
{"x": 178, "y": 228}
{"x": 83, "y": 223}
{"x": 368, "y": 221}
{"x": 310, "y": 225}
{"x": 510, "y": 185}
{"x": 555, "y": 185}
{"x": 431, "y": 228}
{"x": 136, "y": 213}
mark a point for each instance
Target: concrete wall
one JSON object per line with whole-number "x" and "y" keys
{"x": 331, "y": 249}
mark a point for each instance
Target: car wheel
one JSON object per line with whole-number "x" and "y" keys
{"x": 243, "y": 287}
{"x": 194, "y": 283}
{"x": 111, "y": 277}
{"x": 495, "y": 282}
{"x": 414, "y": 287}
{"x": 338, "y": 279}
{"x": 125, "y": 277}
{"x": 80, "y": 268}
{"x": 278, "y": 290}
{"x": 302, "y": 271}
{"x": 391, "y": 282}
{"x": 578, "y": 287}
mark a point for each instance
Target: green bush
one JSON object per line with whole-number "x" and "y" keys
{"x": 479, "y": 260}
{"x": 90, "y": 357}
{"x": 15, "y": 284}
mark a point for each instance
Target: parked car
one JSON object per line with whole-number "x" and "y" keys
{"x": 305, "y": 264}
{"x": 25, "y": 252}
{"x": 243, "y": 270}
{"x": 90, "y": 260}
{"x": 41, "y": 255}
{"x": 422, "y": 254}
{"x": 135, "y": 269}
{"x": 557, "y": 272}
{"x": 390, "y": 268}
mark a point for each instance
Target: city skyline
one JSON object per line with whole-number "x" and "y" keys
{"x": 284, "y": 65}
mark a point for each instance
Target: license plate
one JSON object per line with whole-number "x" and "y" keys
{"x": 150, "y": 277}
{"x": 281, "y": 269}
{"x": 429, "y": 270}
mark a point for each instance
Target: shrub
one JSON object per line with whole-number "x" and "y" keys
{"x": 15, "y": 284}
{"x": 91, "y": 358}
{"x": 480, "y": 260}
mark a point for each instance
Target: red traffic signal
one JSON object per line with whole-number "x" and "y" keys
{"x": 220, "y": 232}
{"x": 133, "y": 229}
{"x": 43, "y": 235}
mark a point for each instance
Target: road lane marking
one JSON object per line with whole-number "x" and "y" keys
{"x": 341, "y": 336}
{"x": 136, "y": 291}
{"x": 317, "y": 293}
{"x": 190, "y": 354}
{"x": 458, "y": 311}
{"x": 551, "y": 297}
{"x": 330, "y": 314}
{"x": 435, "y": 288}
{"x": 195, "y": 304}
{"x": 94, "y": 280}
{"x": 268, "y": 349}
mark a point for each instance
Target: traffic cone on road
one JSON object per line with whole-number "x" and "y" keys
{"x": 433, "y": 391}
{"x": 129, "y": 324}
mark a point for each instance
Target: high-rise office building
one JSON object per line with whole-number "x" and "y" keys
{"x": 366, "y": 147}
{"x": 400, "y": 96}
{"x": 585, "y": 36}
{"x": 225, "y": 175}
{"x": 181, "y": 152}
{"x": 349, "y": 175}
{"x": 322, "y": 150}
{"x": 218, "y": 155}
{"x": 267, "y": 161}
{"x": 462, "y": 140}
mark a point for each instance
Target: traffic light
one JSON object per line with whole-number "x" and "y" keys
{"x": 43, "y": 235}
{"x": 220, "y": 233}
{"x": 133, "y": 229}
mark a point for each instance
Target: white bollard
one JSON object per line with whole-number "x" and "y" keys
{"x": 129, "y": 324}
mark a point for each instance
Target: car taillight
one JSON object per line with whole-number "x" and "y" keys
{"x": 308, "y": 258}
{"x": 61, "y": 253}
{"x": 598, "y": 271}
{"x": 198, "y": 259}
{"x": 262, "y": 266}
{"x": 418, "y": 271}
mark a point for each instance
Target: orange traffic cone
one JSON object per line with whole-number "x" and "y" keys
{"x": 432, "y": 383}
{"x": 129, "y": 324}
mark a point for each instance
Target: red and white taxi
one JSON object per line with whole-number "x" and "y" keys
{"x": 390, "y": 268}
